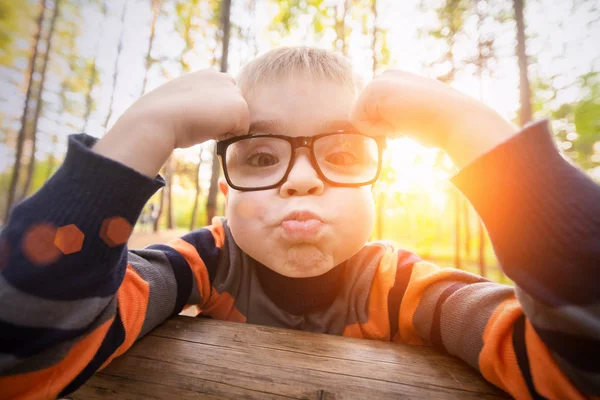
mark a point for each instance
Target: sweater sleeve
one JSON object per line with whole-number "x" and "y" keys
{"x": 540, "y": 339}
{"x": 73, "y": 297}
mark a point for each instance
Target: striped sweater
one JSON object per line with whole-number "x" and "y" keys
{"x": 73, "y": 297}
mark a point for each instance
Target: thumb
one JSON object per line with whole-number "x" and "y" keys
{"x": 366, "y": 119}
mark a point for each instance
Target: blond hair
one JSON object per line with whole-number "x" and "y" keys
{"x": 284, "y": 62}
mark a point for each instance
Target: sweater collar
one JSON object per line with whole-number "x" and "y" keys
{"x": 300, "y": 296}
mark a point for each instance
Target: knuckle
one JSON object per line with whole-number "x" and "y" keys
{"x": 240, "y": 110}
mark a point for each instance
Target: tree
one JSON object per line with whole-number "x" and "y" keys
{"x": 93, "y": 79}
{"x": 14, "y": 26}
{"x": 451, "y": 16}
{"x": 39, "y": 101}
{"x": 71, "y": 69}
{"x": 342, "y": 30}
{"x": 156, "y": 4}
{"x": 116, "y": 66}
{"x": 482, "y": 60}
{"x": 211, "y": 200}
{"x": 22, "y": 132}
{"x": 197, "y": 191}
{"x": 525, "y": 113}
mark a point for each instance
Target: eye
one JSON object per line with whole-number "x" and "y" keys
{"x": 341, "y": 158}
{"x": 262, "y": 160}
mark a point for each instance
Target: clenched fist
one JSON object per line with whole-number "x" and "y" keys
{"x": 183, "y": 112}
{"x": 399, "y": 103}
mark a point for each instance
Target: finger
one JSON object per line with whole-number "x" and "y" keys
{"x": 241, "y": 120}
{"x": 366, "y": 116}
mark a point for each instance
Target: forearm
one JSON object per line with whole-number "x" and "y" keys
{"x": 137, "y": 143}
{"x": 478, "y": 131}
{"x": 543, "y": 217}
{"x": 65, "y": 251}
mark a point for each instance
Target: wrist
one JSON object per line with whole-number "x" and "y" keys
{"x": 137, "y": 142}
{"x": 477, "y": 131}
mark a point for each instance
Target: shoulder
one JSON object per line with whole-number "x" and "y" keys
{"x": 386, "y": 253}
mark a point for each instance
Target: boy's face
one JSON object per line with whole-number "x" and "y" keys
{"x": 272, "y": 226}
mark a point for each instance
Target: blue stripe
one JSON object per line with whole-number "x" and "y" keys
{"x": 581, "y": 352}
{"x": 520, "y": 348}
{"x": 25, "y": 342}
{"x": 404, "y": 267}
{"x": 435, "y": 333}
{"x": 204, "y": 242}
{"x": 113, "y": 339}
{"x": 183, "y": 275}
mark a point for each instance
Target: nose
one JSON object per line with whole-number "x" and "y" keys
{"x": 302, "y": 180}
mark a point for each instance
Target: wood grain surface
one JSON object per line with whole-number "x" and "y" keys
{"x": 195, "y": 358}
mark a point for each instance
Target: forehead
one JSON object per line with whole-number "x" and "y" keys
{"x": 299, "y": 106}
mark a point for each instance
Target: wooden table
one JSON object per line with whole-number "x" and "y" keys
{"x": 189, "y": 358}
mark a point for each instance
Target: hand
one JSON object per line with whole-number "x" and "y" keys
{"x": 400, "y": 103}
{"x": 188, "y": 110}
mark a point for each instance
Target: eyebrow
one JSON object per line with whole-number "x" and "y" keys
{"x": 266, "y": 126}
{"x": 277, "y": 126}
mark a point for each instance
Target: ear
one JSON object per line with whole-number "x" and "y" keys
{"x": 223, "y": 187}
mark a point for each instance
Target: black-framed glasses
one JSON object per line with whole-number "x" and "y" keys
{"x": 264, "y": 161}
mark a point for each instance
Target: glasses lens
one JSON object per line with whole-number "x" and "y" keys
{"x": 257, "y": 162}
{"x": 347, "y": 158}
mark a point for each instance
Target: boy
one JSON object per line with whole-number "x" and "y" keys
{"x": 292, "y": 252}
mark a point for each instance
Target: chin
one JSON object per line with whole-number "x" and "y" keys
{"x": 304, "y": 261}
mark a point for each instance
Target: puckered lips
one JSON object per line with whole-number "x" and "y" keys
{"x": 301, "y": 225}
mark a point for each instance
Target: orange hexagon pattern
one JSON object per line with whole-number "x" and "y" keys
{"x": 38, "y": 244}
{"x": 115, "y": 231}
{"x": 69, "y": 239}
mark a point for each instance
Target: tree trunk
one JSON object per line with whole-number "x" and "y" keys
{"x": 380, "y": 211}
{"x": 211, "y": 201}
{"x": 457, "y": 235}
{"x": 467, "y": 228}
{"x": 197, "y": 193}
{"x": 161, "y": 203}
{"x": 93, "y": 72}
{"x": 116, "y": 67}
{"x": 525, "y": 114}
{"x": 155, "y": 12}
{"x": 40, "y": 101}
{"x": 482, "y": 271}
{"x": 12, "y": 190}
{"x": 374, "y": 38}
{"x": 51, "y": 163}
{"x": 340, "y": 26}
{"x": 169, "y": 192}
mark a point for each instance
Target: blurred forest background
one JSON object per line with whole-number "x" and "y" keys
{"x": 69, "y": 66}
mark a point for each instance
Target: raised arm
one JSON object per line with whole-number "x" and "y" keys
{"x": 539, "y": 339}
{"x": 542, "y": 339}
{"x": 72, "y": 296}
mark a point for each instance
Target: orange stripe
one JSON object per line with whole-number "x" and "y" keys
{"x": 133, "y": 298}
{"x": 548, "y": 379}
{"x": 378, "y": 325}
{"x": 47, "y": 383}
{"x": 497, "y": 360}
{"x": 199, "y": 270}
{"x": 218, "y": 232}
{"x": 222, "y": 306}
{"x": 424, "y": 274}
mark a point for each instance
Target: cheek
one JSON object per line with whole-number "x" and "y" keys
{"x": 357, "y": 213}
{"x": 250, "y": 206}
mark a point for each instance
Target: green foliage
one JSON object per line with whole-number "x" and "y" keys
{"x": 290, "y": 10}
{"x": 581, "y": 117}
{"x": 586, "y": 116}
{"x": 16, "y": 22}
